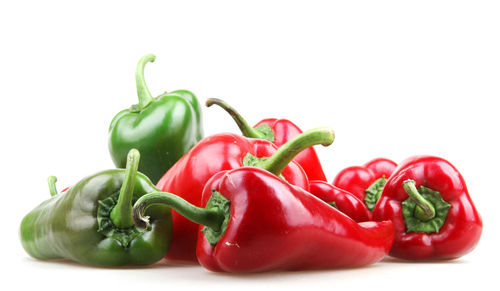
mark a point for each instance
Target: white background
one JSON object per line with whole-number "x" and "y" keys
{"x": 392, "y": 78}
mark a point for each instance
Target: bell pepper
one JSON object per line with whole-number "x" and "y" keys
{"x": 277, "y": 131}
{"x": 224, "y": 152}
{"x": 91, "y": 222}
{"x": 433, "y": 214}
{"x": 367, "y": 181}
{"x": 253, "y": 221}
{"x": 344, "y": 201}
{"x": 163, "y": 129}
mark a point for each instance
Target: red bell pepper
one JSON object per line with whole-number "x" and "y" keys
{"x": 367, "y": 181}
{"x": 256, "y": 222}
{"x": 224, "y": 152}
{"x": 433, "y": 214}
{"x": 344, "y": 201}
{"x": 278, "y": 131}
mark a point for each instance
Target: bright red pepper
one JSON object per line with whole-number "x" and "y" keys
{"x": 278, "y": 131}
{"x": 256, "y": 222}
{"x": 367, "y": 181}
{"x": 344, "y": 201}
{"x": 437, "y": 220}
{"x": 223, "y": 152}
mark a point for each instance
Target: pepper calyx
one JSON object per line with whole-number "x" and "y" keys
{"x": 135, "y": 108}
{"x": 252, "y": 161}
{"x": 106, "y": 226}
{"x": 411, "y": 211}
{"x": 266, "y": 132}
{"x": 372, "y": 193}
{"x": 223, "y": 204}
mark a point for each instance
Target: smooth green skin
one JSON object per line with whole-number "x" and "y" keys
{"x": 163, "y": 129}
{"x": 65, "y": 226}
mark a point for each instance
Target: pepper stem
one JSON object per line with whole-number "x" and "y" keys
{"x": 245, "y": 128}
{"x": 121, "y": 215}
{"x": 424, "y": 210}
{"x": 52, "y": 185}
{"x": 145, "y": 97}
{"x": 212, "y": 217}
{"x": 287, "y": 152}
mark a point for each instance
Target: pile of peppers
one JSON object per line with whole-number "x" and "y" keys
{"x": 251, "y": 202}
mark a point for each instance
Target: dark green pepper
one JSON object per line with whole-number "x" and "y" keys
{"x": 91, "y": 222}
{"x": 163, "y": 129}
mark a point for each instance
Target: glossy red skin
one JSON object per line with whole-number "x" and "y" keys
{"x": 346, "y": 202}
{"x": 284, "y": 130}
{"x": 462, "y": 228}
{"x": 189, "y": 175}
{"x": 277, "y": 226}
{"x": 357, "y": 179}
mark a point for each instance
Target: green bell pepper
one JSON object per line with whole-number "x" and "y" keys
{"x": 163, "y": 129}
{"x": 91, "y": 222}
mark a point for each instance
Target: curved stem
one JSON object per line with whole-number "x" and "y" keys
{"x": 212, "y": 217}
{"x": 121, "y": 215}
{"x": 424, "y": 210}
{"x": 52, "y": 185}
{"x": 245, "y": 128}
{"x": 145, "y": 97}
{"x": 287, "y": 152}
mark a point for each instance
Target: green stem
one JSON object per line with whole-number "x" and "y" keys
{"x": 424, "y": 210}
{"x": 145, "y": 97}
{"x": 287, "y": 152}
{"x": 121, "y": 215}
{"x": 52, "y": 185}
{"x": 245, "y": 128}
{"x": 213, "y": 217}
